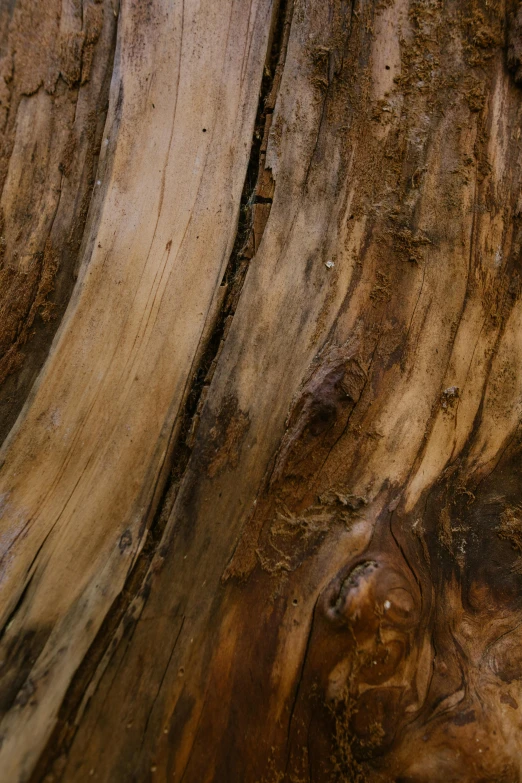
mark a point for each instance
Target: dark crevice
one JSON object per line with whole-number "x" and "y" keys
{"x": 138, "y": 582}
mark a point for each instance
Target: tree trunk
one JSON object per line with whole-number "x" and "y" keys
{"x": 261, "y": 367}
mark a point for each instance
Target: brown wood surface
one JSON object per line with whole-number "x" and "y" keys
{"x": 262, "y": 509}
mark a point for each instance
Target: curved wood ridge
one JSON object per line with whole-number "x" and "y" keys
{"x": 81, "y": 468}
{"x": 332, "y": 590}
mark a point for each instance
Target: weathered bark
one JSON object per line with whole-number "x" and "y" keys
{"x": 55, "y": 68}
{"x": 261, "y": 511}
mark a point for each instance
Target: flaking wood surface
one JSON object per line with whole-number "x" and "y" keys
{"x": 331, "y": 588}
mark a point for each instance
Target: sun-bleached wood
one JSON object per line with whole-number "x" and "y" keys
{"x": 80, "y": 468}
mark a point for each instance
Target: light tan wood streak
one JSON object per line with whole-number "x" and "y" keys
{"x": 79, "y": 469}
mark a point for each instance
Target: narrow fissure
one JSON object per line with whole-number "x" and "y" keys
{"x": 254, "y": 192}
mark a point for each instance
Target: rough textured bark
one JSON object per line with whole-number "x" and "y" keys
{"x": 261, "y": 511}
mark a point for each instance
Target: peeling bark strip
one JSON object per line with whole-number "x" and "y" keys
{"x": 127, "y": 606}
{"x": 261, "y": 516}
{"x": 183, "y": 102}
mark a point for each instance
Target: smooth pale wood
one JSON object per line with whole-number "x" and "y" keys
{"x": 80, "y": 468}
